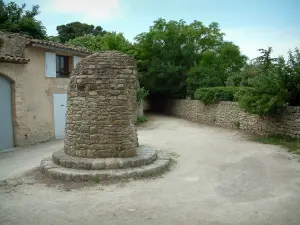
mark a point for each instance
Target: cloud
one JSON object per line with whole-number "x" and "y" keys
{"x": 251, "y": 39}
{"x": 88, "y": 9}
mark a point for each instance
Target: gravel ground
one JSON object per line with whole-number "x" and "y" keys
{"x": 218, "y": 177}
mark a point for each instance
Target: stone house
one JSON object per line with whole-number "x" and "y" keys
{"x": 34, "y": 78}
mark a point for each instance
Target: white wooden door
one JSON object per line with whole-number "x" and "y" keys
{"x": 6, "y": 125}
{"x": 60, "y": 107}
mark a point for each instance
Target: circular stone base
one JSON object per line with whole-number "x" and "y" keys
{"x": 145, "y": 156}
{"x": 68, "y": 174}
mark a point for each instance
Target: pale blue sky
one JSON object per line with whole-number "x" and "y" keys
{"x": 251, "y": 24}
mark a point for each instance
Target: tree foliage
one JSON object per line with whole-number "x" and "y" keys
{"x": 76, "y": 29}
{"x": 109, "y": 41}
{"x": 274, "y": 83}
{"x": 266, "y": 95}
{"x": 141, "y": 94}
{"x": 265, "y": 60}
{"x": 292, "y": 79}
{"x": 16, "y": 19}
{"x": 215, "y": 94}
{"x": 215, "y": 67}
{"x": 169, "y": 50}
{"x": 241, "y": 77}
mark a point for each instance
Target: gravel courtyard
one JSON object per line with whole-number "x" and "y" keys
{"x": 218, "y": 177}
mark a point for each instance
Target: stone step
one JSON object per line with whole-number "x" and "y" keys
{"x": 145, "y": 156}
{"x": 68, "y": 174}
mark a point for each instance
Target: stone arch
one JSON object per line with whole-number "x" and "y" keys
{"x": 13, "y": 104}
{"x": 8, "y": 78}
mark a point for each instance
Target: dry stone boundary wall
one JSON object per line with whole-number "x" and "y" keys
{"x": 228, "y": 114}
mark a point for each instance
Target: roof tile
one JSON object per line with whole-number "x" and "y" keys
{"x": 59, "y": 45}
{"x": 14, "y": 59}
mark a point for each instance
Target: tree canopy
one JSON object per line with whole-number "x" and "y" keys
{"x": 215, "y": 66}
{"x": 170, "y": 48}
{"x": 76, "y": 29}
{"x": 16, "y": 19}
{"x": 108, "y": 41}
{"x": 176, "y": 59}
{"x": 274, "y": 83}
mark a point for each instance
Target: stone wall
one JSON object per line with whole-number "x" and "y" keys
{"x": 228, "y": 114}
{"x": 13, "y": 44}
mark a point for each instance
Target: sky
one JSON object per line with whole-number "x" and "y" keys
{"x": 251, "y": 24}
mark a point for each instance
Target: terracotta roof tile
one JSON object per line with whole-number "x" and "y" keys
{"x": 14, "y": 59}
{"x": 59, "y": 45}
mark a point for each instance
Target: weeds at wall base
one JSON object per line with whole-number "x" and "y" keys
{"x": 291, "y": 144}
{"x": 141, "y": 119}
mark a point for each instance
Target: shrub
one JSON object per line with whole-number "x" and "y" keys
{"x": 141, "y": 119}
{"x": 265, "y": 96}
{"x": 216, "y": 94}
{"x": 240, "y": 78}
{"x": 141, "y": 93}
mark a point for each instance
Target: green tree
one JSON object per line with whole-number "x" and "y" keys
{"x": 16, "y": 19}
{"x": 77, "y": 29}
{"x": 274, "y": 83}
{"x": 241, "y": 77}
{"x": 215, "y": 67}
{"x": 292, "y": 78}
{"x": 169, "y": 50}
{"x": 266, "y": 95}
{"x": 109, "y": 41}
{"x": 265, "y": 59}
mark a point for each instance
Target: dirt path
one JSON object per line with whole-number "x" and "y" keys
{"x": 219, "y": 178}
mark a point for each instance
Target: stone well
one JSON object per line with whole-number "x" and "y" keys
{"x": 101, "y": 107}
{"x": 101, "y": 138}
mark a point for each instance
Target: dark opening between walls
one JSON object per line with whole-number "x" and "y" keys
{"x": 157, "y": 103}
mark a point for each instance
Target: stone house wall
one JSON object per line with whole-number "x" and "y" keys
{"x": 33, "y": 116}
{"x": 228, "y": 114}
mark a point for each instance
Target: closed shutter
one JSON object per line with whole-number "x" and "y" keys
{"x": 50, "y": 64}
{"x": 76, "y": 59}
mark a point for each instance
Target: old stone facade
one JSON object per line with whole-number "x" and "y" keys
{"x": 228, "y": 114}
{"x": 23, "y": 64}
{"x": 101, "y": 110}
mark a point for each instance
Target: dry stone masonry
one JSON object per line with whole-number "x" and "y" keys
{"x": 101, "y": 138}
{"x": 228, "y": 114}
{"x": 101, "y": 107}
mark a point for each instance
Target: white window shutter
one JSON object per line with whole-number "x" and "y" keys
{"x": 50, "y": 64}
{"x": 76, "y": 59}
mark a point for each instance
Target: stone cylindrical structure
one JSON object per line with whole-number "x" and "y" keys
{"x": 101, "y": 107}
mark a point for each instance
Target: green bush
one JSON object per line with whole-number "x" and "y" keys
{"x": 216, "y": 94}
{"x": 265, "y": 95}
{"x": 141, "y": 93}
{"x": 141, "y": 119}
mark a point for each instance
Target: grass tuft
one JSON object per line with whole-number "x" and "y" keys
{"x": 97, "y": 180}
{"x": 141, "y": 119}
{"x": 291, "y": 144}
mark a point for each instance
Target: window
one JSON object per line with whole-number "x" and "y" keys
{"x": 62, "y": 66}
